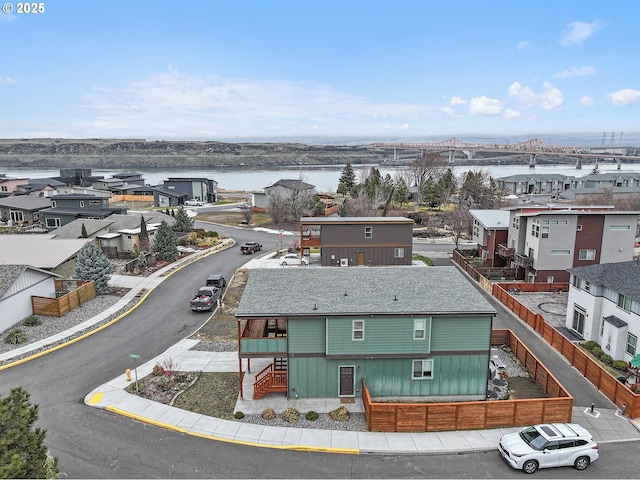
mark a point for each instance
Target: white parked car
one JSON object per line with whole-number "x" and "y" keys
{"x": 549, "y": 445}
{"x": 293, "y": 259}
{"x": 194, "y": 203}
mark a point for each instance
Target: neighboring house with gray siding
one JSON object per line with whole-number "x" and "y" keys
{"x": 17, "y": 284}
{"x": 285, "y": 188}
{"x": 358, "y": 241}
{"x": 411, "y": 332}
{"x": 22, "y": 209}
{"x": 546, "y": 240}
{"x": 604, "y": 306}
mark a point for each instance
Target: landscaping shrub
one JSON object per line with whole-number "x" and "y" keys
{"x": 620, "y": 365}
{"x": 597, "y": 351}
{"x": 290, "y": 415}
{"x": 15, "y": 337}
{"x": 606, "y": 359}
{"x": 32, "y": 321}
{"x": 311, "y": 415}
{"x": 238, "y": 415}
{"x": 590, "y": 344}
{"x": 158, "y": 370}
{"x": 132, "y": 387}
{"x": 269, "y": 414}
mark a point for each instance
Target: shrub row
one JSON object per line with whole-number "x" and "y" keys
{"x": 596, "y": 351}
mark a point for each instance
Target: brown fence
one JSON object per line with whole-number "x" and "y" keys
{"x": 82, "y": 292}
{"x": 432, "y": 417}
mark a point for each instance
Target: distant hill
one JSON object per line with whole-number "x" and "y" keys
{"x": 136, "y": 153}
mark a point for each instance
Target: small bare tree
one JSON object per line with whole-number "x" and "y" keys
{"x": 426, "y": 165}
{"x": 277, "y": 209}
{"x": 459, "y": 222}
{"x": 247, "y": 214}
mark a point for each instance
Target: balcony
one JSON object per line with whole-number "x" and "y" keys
{"x": 308, "y": 242}
{"x": 263, "y": 337}
{"x": 505, "y": 252}
{"x": 522, "y": 260}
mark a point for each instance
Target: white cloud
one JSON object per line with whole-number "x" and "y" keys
{"x": 576, "y": 72}
{"x": 6, "y": 80}
{"x": 577, "y": 32}
{"x": 624, "y": 97}
{"x": 549, "y": 99}
{"x": 511, "y": 114}
{"x": 450, "y": 112}
{"x": 587, "y": 101}
{"x": 173, "y": 104}
{"x": 457, "y": 101}
{"x": 523, "y": 45}
{"x": 485, "y": 106}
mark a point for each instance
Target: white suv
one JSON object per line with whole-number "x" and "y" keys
{"x": 549, "y": 445}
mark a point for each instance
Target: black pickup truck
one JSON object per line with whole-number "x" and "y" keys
{"x": 250, "y": 247}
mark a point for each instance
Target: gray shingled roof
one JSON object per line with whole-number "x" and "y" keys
{"x": 622, "y": 277}
{"x": 294, "y": 184}
{"x": 25, "y": 202}
{"x": 370, "y": 290}
{"x": 9, "y": 274}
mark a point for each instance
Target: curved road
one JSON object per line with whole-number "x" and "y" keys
{"x": 92, "y": 443}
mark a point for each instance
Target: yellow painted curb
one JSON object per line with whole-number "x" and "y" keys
{"x": 111, "y": 322}
{"x": 344, "y": 451}
{"x": 95, "y": 398}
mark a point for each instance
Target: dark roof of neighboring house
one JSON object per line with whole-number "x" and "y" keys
{"x": 80, "y": 212}
{"x": 113, "y": 223}
{"x": 25, "y": 202}
{"x": 621, "y": 277}
{"x": 169, "y": 193}
{"x": 293, "y": 184}
{"x": 81, "y": 196}
{"x": 615, "y": 321}
{"x": 43, "y": 182}
{"x": 536, "y": 177}
{"x": 332, "y": 291}
{"x": 358, "y": 220}
{"x": 190, "y": 179}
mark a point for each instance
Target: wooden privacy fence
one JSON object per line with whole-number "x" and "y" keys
{"x": 609, "y": 385}
{"x": 82, "y": 292}
{"x": 433, "y": 417}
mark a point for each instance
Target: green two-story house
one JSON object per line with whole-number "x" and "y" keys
{"x": 411, "y": 332}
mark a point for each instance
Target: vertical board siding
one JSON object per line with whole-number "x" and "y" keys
{"x": 459, "y": 334}
{"x": 306, "y": 335}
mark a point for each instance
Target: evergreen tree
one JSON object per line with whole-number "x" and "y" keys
{"x": 23, "y": 453}
{"x": 348, "y": 177}
{"x": 144, "y": 244}
{"x": 165, "y": 245}
{"x": 401, "y": 192}
{"x": 184, "y": 223}
{"x": 93, "y": 264}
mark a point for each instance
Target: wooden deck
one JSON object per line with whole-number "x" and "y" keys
{"x": 265, "y": 328}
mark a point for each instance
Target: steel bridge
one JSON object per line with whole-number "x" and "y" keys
{"x": 531, "y": 147}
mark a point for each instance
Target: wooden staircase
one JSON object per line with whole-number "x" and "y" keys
{"x": 272, "y": 378}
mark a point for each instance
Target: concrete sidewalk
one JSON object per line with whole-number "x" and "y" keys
{"x": 606, "y": 425}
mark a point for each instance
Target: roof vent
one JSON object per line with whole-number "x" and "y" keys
{"x": 345, "y": 293}
{"x": 315, "y": 306}
{"x": 395, "y": 298}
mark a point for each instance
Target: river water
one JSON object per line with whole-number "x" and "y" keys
{"x": 324, "y": 178}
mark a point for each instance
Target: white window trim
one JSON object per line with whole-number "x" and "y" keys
{"x": 355, "y": 330}
{"x": 398, "y": 252}
{"x": 423, "y": 362}
{"x": 417, "y": 328}
{"x": 368, "y": 232}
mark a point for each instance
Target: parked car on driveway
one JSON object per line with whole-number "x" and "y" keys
{"x": 549, "y": 445}
{"x": 194, "y": 203}
{"x": 293, "y": 259}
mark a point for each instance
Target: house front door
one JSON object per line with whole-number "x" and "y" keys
{"x": 360, "y": 258}
{"x": 347, "y": 377}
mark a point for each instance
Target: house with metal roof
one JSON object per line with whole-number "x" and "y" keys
{"x": 490, "y": 229}
{"x": 41, "y": 251}
{"x": 17, "y": 284}
{"x": 358, "y": 241}
{"x": 412, "y": 332}
{"x": 604, "y": 306}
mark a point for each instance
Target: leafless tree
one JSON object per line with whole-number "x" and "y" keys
{"x": 277, "y": 209}
{"x": 360, "y": 206}
{"x": 299, "y": 204}
{"x": 603, "y": 196}
{"x": 424, "y": 166}
{"x": 247, "y": 214}
{"x": 459, "y": 220}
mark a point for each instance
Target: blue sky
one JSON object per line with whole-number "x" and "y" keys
{"x": 222, "y": 70}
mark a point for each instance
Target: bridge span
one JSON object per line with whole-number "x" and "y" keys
{"x": 531, "y": 147}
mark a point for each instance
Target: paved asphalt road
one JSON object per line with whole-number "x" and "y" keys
{"x": 94, "y": 443}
